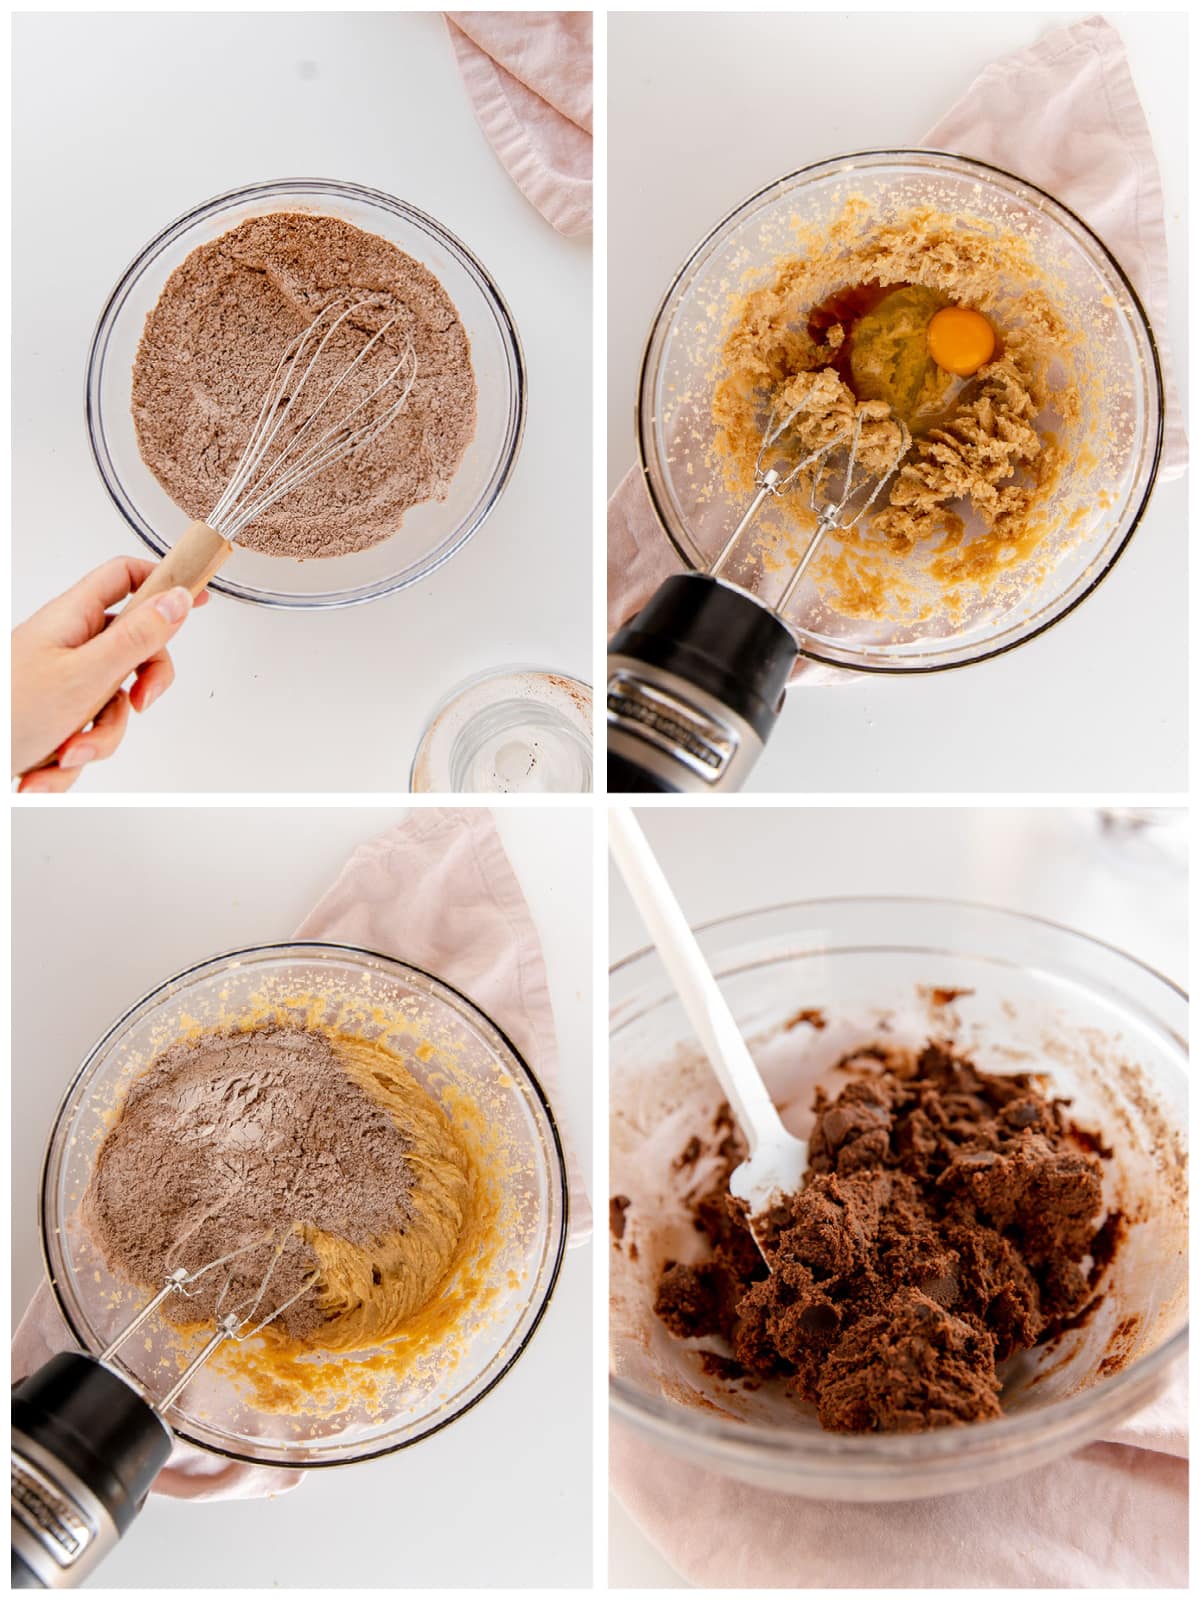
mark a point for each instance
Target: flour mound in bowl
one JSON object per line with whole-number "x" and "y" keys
{"x": 328, "y": 1183}
{"x": 213, "y": 340}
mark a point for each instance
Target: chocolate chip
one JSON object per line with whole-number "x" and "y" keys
{"x": 1023, "y": 1114}
{"x": 820, "y": 1319}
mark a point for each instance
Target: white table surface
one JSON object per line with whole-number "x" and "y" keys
{"x": 1128, "y": 890}
{"x": 124, "y": 120}
{"x": 104, "y": 910}
{"x": 726, "y": 103}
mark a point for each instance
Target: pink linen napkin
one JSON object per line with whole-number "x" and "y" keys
{"x": 529, "y": 77}
{"x": 439, "y": 892}
{"x": 1064, "y": 115}
{"x": 1112, "y": 1516}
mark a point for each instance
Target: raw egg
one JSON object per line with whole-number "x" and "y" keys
{"x": 960, "y": 340}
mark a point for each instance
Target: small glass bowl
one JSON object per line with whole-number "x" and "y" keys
{"x": 513, "y": 730}
{"x": 469, "y": 1060}
{"x": 1093, "y": 512}
{"x": 431, "y": 533}
{"x": 1016, "y": 994}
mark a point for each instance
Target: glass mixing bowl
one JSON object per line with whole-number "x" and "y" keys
{"x": 1107, "y": 1031}
{"x": 431, "y": 533}
{"x": 469, "y": 1063}
{"x": 1091, "y": 514}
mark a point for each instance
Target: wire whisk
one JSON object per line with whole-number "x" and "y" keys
{"x": 286, "y": 447}
{"x": 307, "y": 422}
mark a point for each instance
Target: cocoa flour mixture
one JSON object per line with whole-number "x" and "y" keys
{"x": 212, "y": 342}
{"x": 337, "y": 1180}
{"x": 947, "y": 1219}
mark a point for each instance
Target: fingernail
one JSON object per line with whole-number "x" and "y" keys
{"x": 150, "y": 696}
{"x": 174, "y": 605}
{"x": 77, "y": 756}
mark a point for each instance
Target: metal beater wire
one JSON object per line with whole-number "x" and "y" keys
{"x": 244, "y": 1313}
{"x": 770, "y": 480}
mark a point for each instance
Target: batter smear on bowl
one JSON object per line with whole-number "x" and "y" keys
{"x": 339, "y": 1181}
{"x": 212, "y": 342}
{"x": 948, "y": 1219}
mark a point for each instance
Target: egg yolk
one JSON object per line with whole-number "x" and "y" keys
{"x": 960, "y": 340}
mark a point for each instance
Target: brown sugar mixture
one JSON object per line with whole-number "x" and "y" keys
{"x": 213, "y": 340}
{"x": 948, "y": 1218}
{"x": 849, "y": 325}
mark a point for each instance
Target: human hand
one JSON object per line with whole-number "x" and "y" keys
{"x": 71, "y": 656}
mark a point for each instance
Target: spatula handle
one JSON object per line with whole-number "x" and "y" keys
{"x": 707, "y": 1010}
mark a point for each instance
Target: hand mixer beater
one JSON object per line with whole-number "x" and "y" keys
{"x": 88, "y": 1440}
{"x": 313, "y": 414}
{"x": 696, "y": 678}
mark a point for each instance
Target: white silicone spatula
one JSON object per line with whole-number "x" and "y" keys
{"x": 777, "y": 1158}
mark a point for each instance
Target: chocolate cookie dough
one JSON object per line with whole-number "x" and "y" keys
{"x": 948, "y": 1218}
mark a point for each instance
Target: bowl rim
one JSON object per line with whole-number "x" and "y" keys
{"x": 730, "y": 1444}
{"x": 810, "y": 902}
{"x": 476, "y": 680}
{"x": 328, "y": 600}
{"x": 283, "y": 947}
{"x": 1048, "y": 202}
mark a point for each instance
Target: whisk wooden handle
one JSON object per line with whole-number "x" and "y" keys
{"x": 194, "y": 559}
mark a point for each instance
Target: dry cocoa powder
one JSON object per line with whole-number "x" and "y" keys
{"x": 245, "y": 1139}
{"x": 212, "y": 342}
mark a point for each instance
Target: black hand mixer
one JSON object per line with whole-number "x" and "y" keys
{"x": 88, "y": 1441}
{"x": 696, "y": 679}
